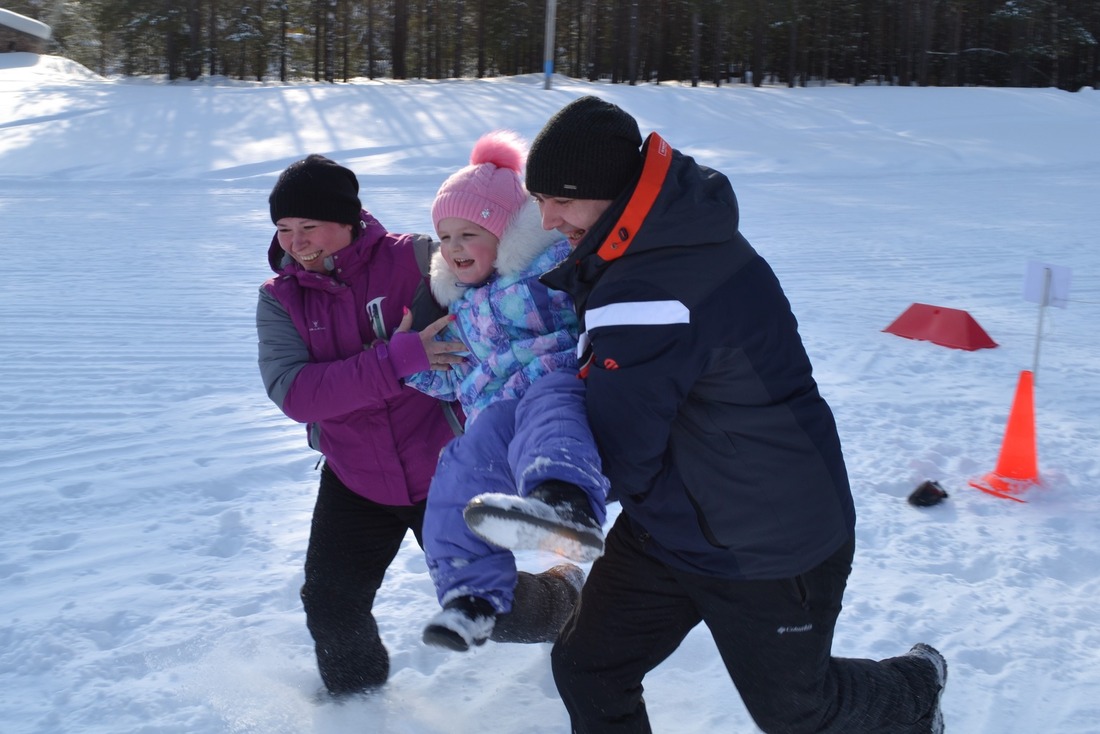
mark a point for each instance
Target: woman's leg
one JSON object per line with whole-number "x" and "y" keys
{"x": 351, "y": 544}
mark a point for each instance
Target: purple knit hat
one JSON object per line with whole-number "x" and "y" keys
{"x": 489, "y": 191}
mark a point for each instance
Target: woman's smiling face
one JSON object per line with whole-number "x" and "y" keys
{"x": 311, "y": 241}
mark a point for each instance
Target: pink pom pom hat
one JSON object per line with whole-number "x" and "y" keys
{"x": 489, "y": 191}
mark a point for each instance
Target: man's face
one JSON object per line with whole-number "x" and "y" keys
{"x": 572, "y": 217}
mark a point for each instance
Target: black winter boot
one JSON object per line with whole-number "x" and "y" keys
{"x": 939, "y": 668}
{"x": 465, "y": 621}
{"x": 554, "y": 516}
{"x": 541, "y": 605}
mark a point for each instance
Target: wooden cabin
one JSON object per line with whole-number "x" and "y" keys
{"x": 20, "y": 33}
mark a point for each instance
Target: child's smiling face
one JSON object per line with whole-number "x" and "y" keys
{"x": 469, "y": 250}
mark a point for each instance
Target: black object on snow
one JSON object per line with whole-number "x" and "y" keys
{"x": 927, "y": 494}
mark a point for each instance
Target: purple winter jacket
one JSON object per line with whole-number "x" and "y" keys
{"x": 323, "y": 364}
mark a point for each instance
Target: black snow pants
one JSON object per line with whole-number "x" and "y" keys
{"x": 352, "y": 542}
{"x": 774, "y": 637}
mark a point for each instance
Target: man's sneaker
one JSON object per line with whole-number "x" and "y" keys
{"x": 554, "y": 516}
{"x": 464, "y": 622}
{"x": 939, "y": 665}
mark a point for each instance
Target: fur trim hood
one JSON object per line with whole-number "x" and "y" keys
{"x": 523, "y": 240}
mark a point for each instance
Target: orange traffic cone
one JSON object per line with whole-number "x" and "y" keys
{"x": 1017, "y": 468}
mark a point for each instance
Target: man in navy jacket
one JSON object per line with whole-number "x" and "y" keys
{"x": 736, "y": 507}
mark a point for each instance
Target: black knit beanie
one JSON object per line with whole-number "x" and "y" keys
{"x": 316, "y": 188}
{"x": 590, "y": 149}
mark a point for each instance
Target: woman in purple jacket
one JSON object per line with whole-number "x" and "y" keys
{"x": 330, "y": 359}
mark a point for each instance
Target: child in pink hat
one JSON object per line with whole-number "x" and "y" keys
{"x": 527, "y": 456}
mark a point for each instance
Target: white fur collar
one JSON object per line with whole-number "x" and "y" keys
{"x": 524, "y": 239}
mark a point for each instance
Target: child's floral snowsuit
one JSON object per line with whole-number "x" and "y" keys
{"x": 526, "y": 421}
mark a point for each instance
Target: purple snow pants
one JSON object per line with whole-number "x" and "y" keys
{"x": 512, "y": 447}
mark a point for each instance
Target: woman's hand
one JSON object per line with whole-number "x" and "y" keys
{"x": 441, "y": 354}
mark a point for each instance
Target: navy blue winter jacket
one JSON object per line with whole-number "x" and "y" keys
{"x": 724, "y": 455}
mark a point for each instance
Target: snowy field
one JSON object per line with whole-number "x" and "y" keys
{"x": 156, "y": 505}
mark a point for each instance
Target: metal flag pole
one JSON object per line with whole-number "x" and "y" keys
{"x": 548, "y": 42}
{"x": 1043, "y": 302}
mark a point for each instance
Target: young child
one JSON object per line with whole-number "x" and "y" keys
{"x": 527, "y": 437}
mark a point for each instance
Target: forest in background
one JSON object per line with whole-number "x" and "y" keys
{"x": 1018, "y": 43}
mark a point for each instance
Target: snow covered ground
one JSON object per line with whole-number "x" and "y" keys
{"x": 156, "y": 505}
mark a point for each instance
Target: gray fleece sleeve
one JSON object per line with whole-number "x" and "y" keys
{"x": 282, "y": 353}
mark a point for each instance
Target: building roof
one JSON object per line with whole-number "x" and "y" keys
{"x": 22, "y": 23}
